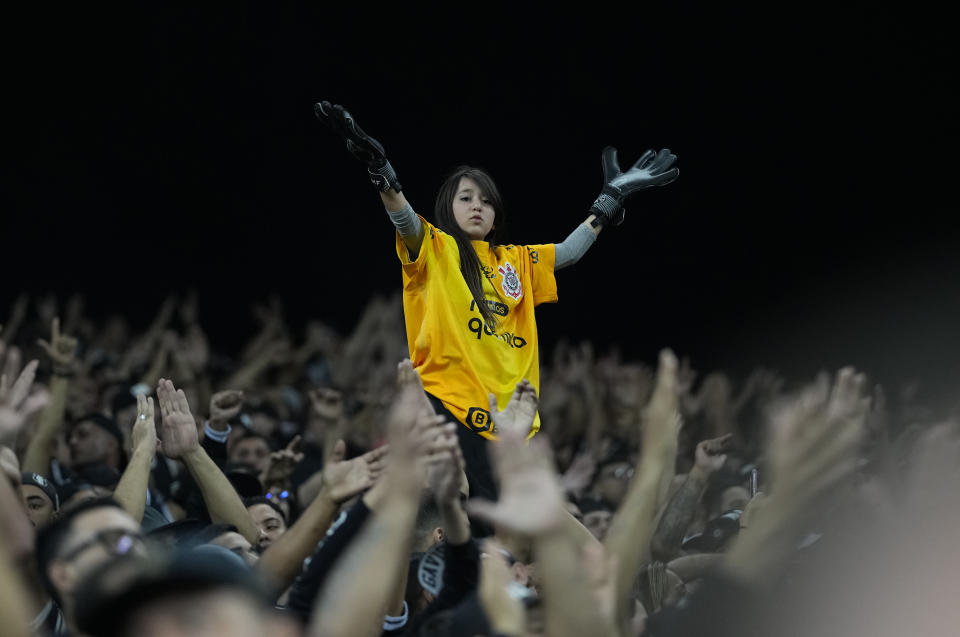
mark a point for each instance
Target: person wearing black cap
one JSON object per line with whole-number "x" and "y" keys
{"x": 40, "y": 498}
{"x": 202, "y": 591}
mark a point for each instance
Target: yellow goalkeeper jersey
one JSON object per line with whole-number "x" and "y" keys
{"x": 459, "y": 358}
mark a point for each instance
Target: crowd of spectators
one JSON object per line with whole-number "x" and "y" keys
{"x": 303, "y": 485}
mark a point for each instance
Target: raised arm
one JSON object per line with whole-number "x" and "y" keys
{"x": 61, "y": 349}
{"x": 14, "y": 600}
{"x": 652, "y": 169}
{"x": 16, "y": 533}
{"x": 342, "y": 479}
{"x": 371, "y": 152}
{"x": 681, "y": 508}
{"x": 17, "y": 405}
{"x": 813, "y": 448}
{"x": 179, "y": 440}
{"x": 531, "y": 505}
{"x": 355, "y": 598}
{"x": 695, "y": 566}
{"x": 633, "y": 524}
{"x": 131, "y": 491}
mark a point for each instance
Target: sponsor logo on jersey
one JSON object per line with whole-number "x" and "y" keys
{"x": 477, "y": 326}
{"x": 500, "y": 309}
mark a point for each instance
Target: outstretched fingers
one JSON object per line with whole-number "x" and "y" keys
{"x": 34, "y": 403}
{"x": 528, "y": 394}
{"x": 54, "y": 337}
{"x": 294, "y": 445}
{"x": 663, "y": 160}
{"x": 492, "y": 402}
{"x": 406, "y": 374}
{"x": 487, "y": 511}
{"x": 331, "y": 114}
{"x": 611, "y": 167}
{"x": 164, "y": 397}
{"x": 181, "y": 401}
{"x": 644, "y": 160}
{"x": 21, "y": 387}
{"x": 376, "y": 454}
{"x": 339, "y": 452}
{"x": 667, "y": 177}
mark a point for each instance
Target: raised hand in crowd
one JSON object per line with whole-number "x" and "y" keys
{"x": 519, "y": 413}
{"x": 225, "y": 406}
{"x": 62, "y": 350}
{"x": 681, "y": 507}
{"x": 812, "y": 450}
{"x": 531, "y": 501}
{"x": 343, "y": 479}
{"x": 131, "y": 491}
{"x": 273, "y": 328}
{"x": 633, "y": 524}
{"x": 17, "y": 313}
{"x": 837, "y": 460}
{"x": 12, "y": 362}
{"x": 178, "y": 429}
{"x": 340, "y": 481}
{"x": 179, "y": 440}
{"x": 281, "y": 465}
{"x": 138, "y": 355}
{"x": 17, "y": 403}
{"x": 355, "y": 598}
{"x": 327, "y": 421}
{"x": 579, "y": 475}
{"x": 531, "y": 504}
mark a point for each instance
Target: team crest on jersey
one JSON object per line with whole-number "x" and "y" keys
{"x": 511, "y": 281}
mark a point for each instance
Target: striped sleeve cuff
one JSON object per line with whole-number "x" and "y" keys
{"x": 213, "y": 434}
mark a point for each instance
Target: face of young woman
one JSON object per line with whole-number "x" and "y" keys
{"x": 472, "y": 210}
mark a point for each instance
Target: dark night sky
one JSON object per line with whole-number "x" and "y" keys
{"x": 812, "y": 224}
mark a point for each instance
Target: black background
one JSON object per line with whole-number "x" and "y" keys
{"x": 155, "y": 149}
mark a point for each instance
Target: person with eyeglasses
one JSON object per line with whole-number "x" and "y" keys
{"x": 613, "y": 479}
{"x": 286, "y": 499}
{"x": 80, "y": 541}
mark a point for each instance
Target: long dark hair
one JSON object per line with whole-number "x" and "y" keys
{"x": 443, "y": 214}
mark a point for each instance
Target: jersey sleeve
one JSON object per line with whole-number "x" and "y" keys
{"x": 542, "y": 258}
{"x": 415, "y": 268}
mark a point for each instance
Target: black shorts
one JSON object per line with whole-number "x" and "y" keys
{"x": 480, "y": 477}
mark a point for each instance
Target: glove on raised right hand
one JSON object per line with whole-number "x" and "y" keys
{"x": 362, "y": 146}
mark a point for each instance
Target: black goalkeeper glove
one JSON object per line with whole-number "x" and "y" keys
{"x": 362, "y": 146}
{"x": 652, "y": 169}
